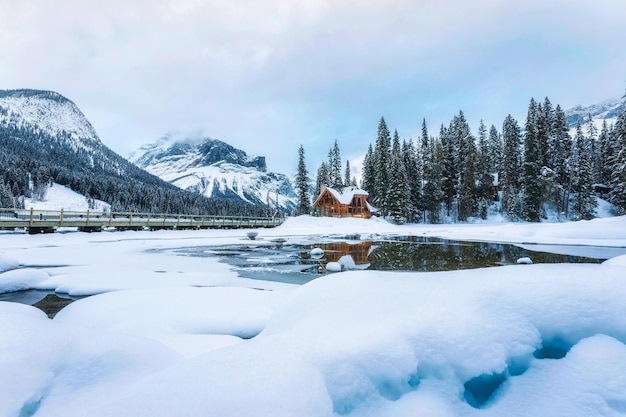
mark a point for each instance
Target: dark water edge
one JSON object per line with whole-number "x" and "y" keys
{"x": 51, "y": 304}
{"x": 48, "y": 302}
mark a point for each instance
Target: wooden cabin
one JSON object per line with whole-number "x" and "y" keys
{"x": 347, "y": 202}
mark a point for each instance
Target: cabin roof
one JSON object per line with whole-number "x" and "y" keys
{"x": 345, "y": 195}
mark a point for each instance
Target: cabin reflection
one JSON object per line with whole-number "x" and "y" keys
{"x": 349, "y": 255}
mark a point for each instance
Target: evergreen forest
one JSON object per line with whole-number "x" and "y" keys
{"x": 524, "y": 171}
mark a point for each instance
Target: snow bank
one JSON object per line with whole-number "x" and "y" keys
{"x": 46, "y": 365}
{"x": 21, "y": 279}
{"x": 598, "y": 232}
{"x": 7, "y": 263}
{"x": 488, "y": 342}
{"x": 518, "y": 340}
{"x": 165, "y": 313}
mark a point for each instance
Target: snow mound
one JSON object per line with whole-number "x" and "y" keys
{"x": 7, "y": 263}
{"x": 21, "y": 279}
{"x": 240, "y": 312}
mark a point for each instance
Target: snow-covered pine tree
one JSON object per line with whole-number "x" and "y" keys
{"x": 495, "y": 151}
{"x": 382, "y": 168}
{"x": 583, "y": 178}
{"x": 618, "y": 163}
{"x": 433, "y": 194}
{"x": 545, "y": 130}
{"x": 532, "y": 181}
{"x": 347, "y": 179}
{"x": 511, "y": 167}
{"x": 424, "y": 140}
{"x": 560, "y": 150}
{"x": 483, "y": 172}
{"x": 6, "y": 196}
{"x": 594, "y": 149}
{"x": 412, "y": 161}
{"x": 606, "y": 154}
{"x": 368, "y": 176}
{"x": 466, "y": 163}
{"x": 334, "y": 167}
{"x": 322, "y": 179}
{"x": 302, "y": 184}
{"x": 450, "y": 169}
{"x": 398, "y": 197}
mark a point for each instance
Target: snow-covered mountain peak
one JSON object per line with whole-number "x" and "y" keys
{"x": 607, "y": 110}
{"x": 45, "y": 111}
{"x": 215, "y": 169}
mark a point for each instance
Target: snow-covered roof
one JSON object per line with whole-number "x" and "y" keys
{"x": 346, "y": 194}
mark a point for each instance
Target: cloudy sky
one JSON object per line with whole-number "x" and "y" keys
{"x": 267, "y": 76}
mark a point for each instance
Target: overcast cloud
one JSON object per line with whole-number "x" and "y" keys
{"x": 267, "y": 76}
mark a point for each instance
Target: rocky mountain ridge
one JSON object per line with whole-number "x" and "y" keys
{"x": 213, "y": 168}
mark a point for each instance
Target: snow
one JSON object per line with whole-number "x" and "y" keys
{"x": 60, "y": 197}
{"x": 7, "y": 263}
{"x": 345, "y": 195}
{"x": 21, "y": 279}
{"x": 187, "y": 170}
{"x": 177, "y": 335}
{"x": 50, "y": 113}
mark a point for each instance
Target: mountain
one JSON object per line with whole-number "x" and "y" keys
{"x": 607, "y": 110}
{"x": 213, "y": 168}
{"x": 45, "y": 138}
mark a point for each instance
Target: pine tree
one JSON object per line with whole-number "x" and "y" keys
{"x": 382, "y": 167}
{"x": 466, "y": 163}
{"x": 368, "y": 177}
{"x": 618, "y": 163}
{"x": 594, "y": 149}
{"x": 483, "y": 171}
{"x": 302, "y": 184}
{"x": 545, "y": 130}
{"x": 511, "y": 165}
{"x": 583, "y": 180}
{"x": 560, "y": 161}
{"x": 334, "y": 167}
{"x": 605, "y": 154}
{"x": 398, "y": 200}
{"x": 495, "y": 153}
{"x": 433, "y": 180}
{"x": 449, "y": 180}
{"x": 322, "y": 178}
{"x": 412, "y": 162}
{"x": 531, "y": 208}
{"x": 347, "y": 181}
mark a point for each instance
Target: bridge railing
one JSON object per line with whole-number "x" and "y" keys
{"x": 32, "y": 218}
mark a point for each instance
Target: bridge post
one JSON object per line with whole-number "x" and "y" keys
{"x": 87, "y": 217}
{"x": 61, "y": 217}
{"x": 30, "y": 222}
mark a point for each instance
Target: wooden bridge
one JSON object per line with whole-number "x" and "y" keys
{"x": 47, "y": 221}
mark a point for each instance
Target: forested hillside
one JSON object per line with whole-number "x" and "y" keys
{"x": 44, "y": 138}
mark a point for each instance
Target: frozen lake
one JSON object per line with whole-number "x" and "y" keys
{"x": 291, "y": 261}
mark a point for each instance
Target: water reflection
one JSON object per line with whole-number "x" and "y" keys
{"x": 286, "y": 262}
{"x": 432, "y": 254}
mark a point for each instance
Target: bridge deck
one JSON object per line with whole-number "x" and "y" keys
{"x": 48, "y": 220}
